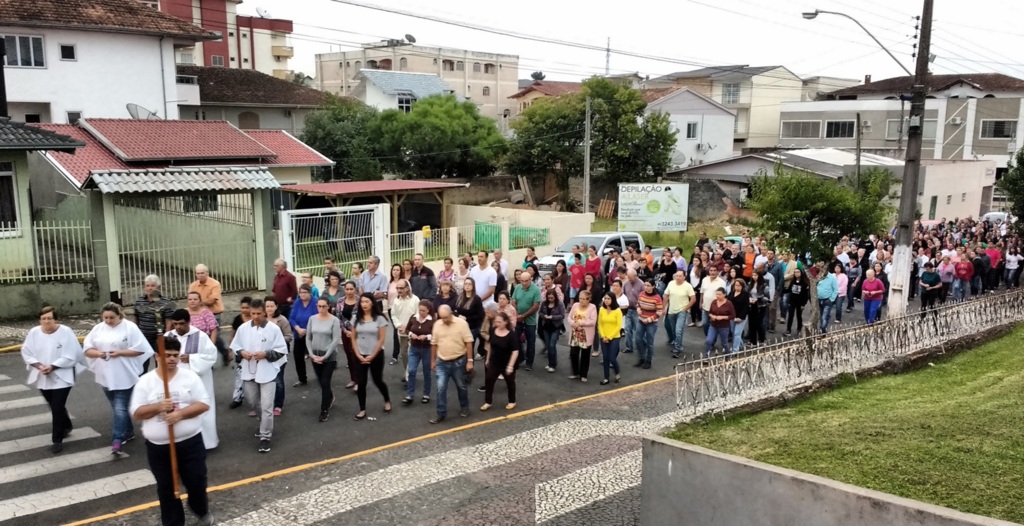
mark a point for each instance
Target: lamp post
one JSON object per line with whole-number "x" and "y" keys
{"x": 811, "y": 15}
{"x": 900, "y": 283}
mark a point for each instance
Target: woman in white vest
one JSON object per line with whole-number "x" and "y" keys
{"x": 53, "y": 358}
{"x": 117, "y": 351}
{"x": 199, "y": 355}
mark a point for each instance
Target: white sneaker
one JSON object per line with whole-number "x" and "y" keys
{"x": 549, "y": 369}
{"x": 485, "y": 407}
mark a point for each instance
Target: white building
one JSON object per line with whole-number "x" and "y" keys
{"x": 68, "y": 60}
{"x": 397, "y": 90}
{"x": 704, "y": 127}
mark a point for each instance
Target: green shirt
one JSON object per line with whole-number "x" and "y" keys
{"x": 931, "y": 278}
{"x": 525, "y": 299}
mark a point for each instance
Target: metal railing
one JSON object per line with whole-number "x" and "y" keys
{"x": 62, "y": 250}
{"x": 732, "y": 380}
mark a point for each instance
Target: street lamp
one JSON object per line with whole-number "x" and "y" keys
{"x": 811, "y": 15}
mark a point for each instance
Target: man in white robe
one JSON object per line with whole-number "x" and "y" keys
{"x": 198, "y": 354}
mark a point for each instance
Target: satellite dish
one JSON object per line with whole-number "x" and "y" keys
{"x": 139, "y": 113}
{"x": 262, "y": 12}
{"x": 410, "y": 39}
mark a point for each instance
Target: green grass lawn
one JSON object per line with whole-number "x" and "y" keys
{"x": 687, "y": 239}
{"x": 950, "y": 435}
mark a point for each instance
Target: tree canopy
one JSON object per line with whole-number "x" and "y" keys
{"x": 807, "y": 213}
{"x": 338, "y": 130}
{"x": 1012, "y": 184}
{"x": 627, "y": 143}
{"x": 538, "y": 75}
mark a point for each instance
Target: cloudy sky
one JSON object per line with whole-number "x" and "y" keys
{"x": 671, "y": 35}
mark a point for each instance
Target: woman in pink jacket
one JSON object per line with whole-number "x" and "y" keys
{"x": 582, "y": 323}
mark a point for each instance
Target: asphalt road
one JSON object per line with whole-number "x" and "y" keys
{"x": 298, "y": 437}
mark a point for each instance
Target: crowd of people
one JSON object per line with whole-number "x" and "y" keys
{"x": 473, "y": 310}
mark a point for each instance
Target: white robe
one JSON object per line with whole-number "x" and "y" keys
{"x": 202, "y": 363}
{"x": 60, "y": 349}
{"x": 117, "y": 373}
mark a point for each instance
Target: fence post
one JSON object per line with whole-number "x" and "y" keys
{"x": 453, "y": 244}
{"x": 418, "y": 242}
{"x": 506, "y": 237}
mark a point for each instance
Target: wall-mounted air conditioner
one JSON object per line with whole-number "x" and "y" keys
{"x": 865, "y": 124}
{"x": 956, "y": 121}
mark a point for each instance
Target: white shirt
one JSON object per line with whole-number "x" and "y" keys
{"x": 403, "y": 309}
{"x": 59, "y": 349}
{"x": 123, "y": 372}
{"x": 707, "y": 291}
{"x": 253, "y": 338}
{"x": 185, "y": 388}
{"x": 484, "y": 279}
{"x": 205, "y": 355}
{"x": 504, "y": 267}
{"x": 764, "y": 259}
{"x": 844, "y": 258}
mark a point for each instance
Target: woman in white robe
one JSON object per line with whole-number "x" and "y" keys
{"x": 198, "y": 354}
{"x": 53, "y": 358}
{"x": 117, "y": 350}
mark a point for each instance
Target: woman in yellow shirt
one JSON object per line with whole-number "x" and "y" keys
{"x": 609, "y": 329}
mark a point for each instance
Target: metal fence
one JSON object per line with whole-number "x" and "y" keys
{"x": 729, "y": 381}
{"x": 347, "y": 234}
{"x": 62, "y": 250}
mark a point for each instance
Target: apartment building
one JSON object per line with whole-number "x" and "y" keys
{"x": 487, "y": 79}
{"x": 259, "y": 43}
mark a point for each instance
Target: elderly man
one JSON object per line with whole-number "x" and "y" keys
{"x": 199, "y": 355}
{"x": 210, "y": 294}
{"x": 451, "y": 357}
{"x": 402, "y": 309}
{"x": 285, "y": 289}
{"x": 526, "y": 299}
{"x": 147, "y": 306}
{"x": 423, "y": 281}
{"x": 373, "y": 281}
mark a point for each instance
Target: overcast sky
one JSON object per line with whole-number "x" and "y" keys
{"x": 974, "y": 36}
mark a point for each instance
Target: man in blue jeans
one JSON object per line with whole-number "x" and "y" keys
{"x": 631, "y": 288}
{"x": 679, "y": 298}
{"x": 828, "y": 292}
{"x": 451, "y": 357}
{"x": 526, "y": 299}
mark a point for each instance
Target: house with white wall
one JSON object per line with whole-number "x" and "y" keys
{"x": 397, "y": 90}
{"x": 68, "y": 60}
{"x": 704, "y": 128}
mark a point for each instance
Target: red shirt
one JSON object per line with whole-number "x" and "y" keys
{"x": 872, "y": 289}
{"x": 593, "y": 267}
{"x": 963, "y": 270}
{"x": 285, "y": 289}
{"x": 576, "y": 273}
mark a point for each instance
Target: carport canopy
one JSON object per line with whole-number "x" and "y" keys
{"x": 392, "y": 192}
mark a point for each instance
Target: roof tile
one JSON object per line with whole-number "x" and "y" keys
{"x": 551, "y": 88}
{"x": 290, "y": 151}
{"x": 211, "y": 179}
{"x": 169, "y": 140}
{"x": 116, "y": 16}
{"x": 18, "y": 136}
{"x": 420, "y": 85}
{"x": 984, "y": 82}
{"x": 247, "y": 86}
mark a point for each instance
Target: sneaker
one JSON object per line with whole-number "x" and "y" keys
{"x": 265, "y": 445}
{"x": 437, "y": 419}
{"x": 481, "y": 389}
{"x": 253, "y": 413}
{"x": 639, "y": 364}
{"x": 129, "y": 439}
{"x": 323, "y": 416}
{"x": 393, "y": 362}
{"x": 299, "y": 383}
{"x": 234, "y": 404}
{"x": 647, "y": 365}
{"x": 464, "y": 413}
{"x": 574, "y": 377}
{"x": 115, "y": 449}
{"x": 485, "y": 407}
{"x": 510, "y": 406}
{"x": 528, "y": 368}
{"x": 277, "y": 411}
{"x": 57, "y": 447}
{"x": 549, "y": 369}
{"x": 628, "y": 351}
{"x": 206, "y": 520}
{"x": 675, "y": 355}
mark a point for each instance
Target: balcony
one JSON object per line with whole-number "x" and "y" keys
{"x": 282, "y": 51}
{"x": 285, "y": 74}
{"x": 740, "y": 129}
{"x": 188, "y": 90}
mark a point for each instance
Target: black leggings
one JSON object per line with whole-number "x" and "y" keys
{"x": 57, "y": 400}
{"x": 799, "y": 311}
{"x": 324, "y": 373}
{"x": 579, "y": 357}
{"x": 491, "y": 377}
{"x": 695, "y": 312}
{"x": 364, "y": 372}
{"x": 299, "y": 357}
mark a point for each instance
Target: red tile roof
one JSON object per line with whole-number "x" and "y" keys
{"x": 93, "y": 156}
{"x": 369, "y": 187}
{"x": 290, "y": 151}
{"x": 165, "y": 140}
{"x": 114, "y": 16}
{"x": 990, "y": 82}
{"x": 247, "y": 86}
{"x": 551, "y": 88}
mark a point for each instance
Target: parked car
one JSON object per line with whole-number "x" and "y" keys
{"x": 993, "y": 217}
{"x": 604, "y": 241}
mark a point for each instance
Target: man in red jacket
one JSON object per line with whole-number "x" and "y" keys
{"x": 285, "y": 289}
{"x": 963, "y": 271}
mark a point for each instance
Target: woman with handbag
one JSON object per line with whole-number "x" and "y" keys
{"x": 552, "y": 318}
{"x": 582, "y": 323}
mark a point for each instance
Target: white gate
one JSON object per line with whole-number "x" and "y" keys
{"x": 348, "y": 233}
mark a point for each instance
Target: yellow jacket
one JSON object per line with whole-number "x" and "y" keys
{"x": 609, "y": 323}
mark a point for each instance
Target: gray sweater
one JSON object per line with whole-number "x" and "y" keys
{"x": 322, "y": 336}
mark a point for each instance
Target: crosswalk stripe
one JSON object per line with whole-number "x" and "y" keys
{"x": 588, "y": 485}
{"x": 7, "y": 389}
{"x": 51, "y": 465}
{"x": 75, "y": 494}
{"x": 22, "y": 402}
{"x": 4, "y": 377}
{"x": 8, "y": 424}
{"x": 22, "y": 444}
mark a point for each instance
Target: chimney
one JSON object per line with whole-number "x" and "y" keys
{"x": 867, "y": 79}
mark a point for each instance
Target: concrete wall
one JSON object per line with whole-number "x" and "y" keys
{"x": 957, "y": 187}
{"x": 714, "y": 127}
{"x": 769, "y": 92}
{"x": 23, "y": 300}
{"x": 288, "y": 119}
{"x": 686, "y": 484}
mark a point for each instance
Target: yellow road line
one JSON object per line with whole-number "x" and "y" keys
{"x": 311, "y": 465}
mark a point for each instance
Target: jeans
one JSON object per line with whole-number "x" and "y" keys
{"x": 279, "y": 391}
{"x": 960, "y": 287}
{"x": 324, "y": 372}
{"x": 838, "y": 307}
{"x": 374, "y": 370}
{"x": 871, "y": 310}
{"x": 531, "y": 341}
{"x": 57, "y": 399}
{"x": 491, "y": 374}
{"x": 579, "y": 358}
{"x": 418, "y": 357}
{"x": 674, "y": 325}
{"x": 262, "y": 397}
{"x": 705, "y": 322}
{"x": 610, "y": 356}
{"x": 645, "y": 341}
{"x": 716, "y": 333}
{"x": 551, "y": 346}
{"x": 119, "y": 399}
{"x": 299, "y": 353}
{"x": 453, "y": 370}
{"x": 191, "y": 456}
{"x": 825, "y": 314}
{"x": 737, "y": 328}
{"x": 630, "y": 323}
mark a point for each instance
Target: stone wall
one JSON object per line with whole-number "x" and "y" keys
{"x": 23, "y": 300}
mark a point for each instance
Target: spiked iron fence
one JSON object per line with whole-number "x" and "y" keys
{"x": 724, "y": 382}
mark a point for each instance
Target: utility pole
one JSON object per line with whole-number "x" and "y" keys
{"x": 903, "y": 254}
{"x": 586, "y": 161}
{"x": 608, "y": 57}
{"x": 858, "y": 148}
{"x": 3, "y": 81}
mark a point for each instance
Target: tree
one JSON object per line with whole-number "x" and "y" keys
{"x": 302, "y": 79}
{"x": 439, "y": 137}
{"x": 1012, "y": 184}
{"x": 538, "y": 75}
{"x": 807, "y": 213}
{"x": 627, "y": 143}
{"x": 340, "y": 131}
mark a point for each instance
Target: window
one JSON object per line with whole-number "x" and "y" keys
{"x": 195, "y": 204}
{"x": 231, "y": 33}
{"x": 74, "y": 117}
{"x": 932, "y": 205}
{"x": 691, "y": 130}
{"x": 892, "y": 128}
{"x": 217, "y": 61}
{"x": 490, "y": 69}
{"x": 67, "y": 52}
{"x": 8, "y": 200}
{"x": 155, "y": 4}
{"x": 24, "y": 51}
{"x": 403, "y": 63}
{"x": 731, "y": 93}
{"x": 840, "y": 129}
{"x": 186, "y": 57}
{"x": 963, "y": 197}
{"x": 384, "y": 64}
{"x": 200, "y": 115}
{"x": 371, "y": 64}
{"x": 245, "y": 35}
{"x": 460, "y": 66}
{"x": 359, "y": 65}
{"x": 801, "y": 130}
{"x": 232, "y": 59}
{"x": 245, "y": 61}
{"x": 991, "y": 129}
{"x": 949, "y": 199}
{"x": 32, "y": 117}
{"x": 487, "y": 91}
{"x": 405, "y": 103}
{"x": 447, "y": 65}
{"x": 476, "y": 67}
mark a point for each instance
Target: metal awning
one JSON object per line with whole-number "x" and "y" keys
{"x": 176, "y": 180}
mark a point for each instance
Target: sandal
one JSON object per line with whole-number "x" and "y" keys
{"x": 407, "y": 400}
{"x": 387, "y": 408}
{"x": 360, "y": 415}
{"x": 595, "y": 353}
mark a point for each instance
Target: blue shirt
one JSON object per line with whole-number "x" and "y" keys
{"x": 314, "y": 292}
{"x": 370, "y": 283}
{"x": 828, "y": 288}
{"x": 300, "y": 315}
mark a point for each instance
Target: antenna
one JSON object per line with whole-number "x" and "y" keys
{"x": 140, "y": 113}
{"x": 410, "y": 39}
{"x": 262, "y": 12}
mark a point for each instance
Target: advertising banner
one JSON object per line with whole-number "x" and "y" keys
{"x": 654, "y": 207}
